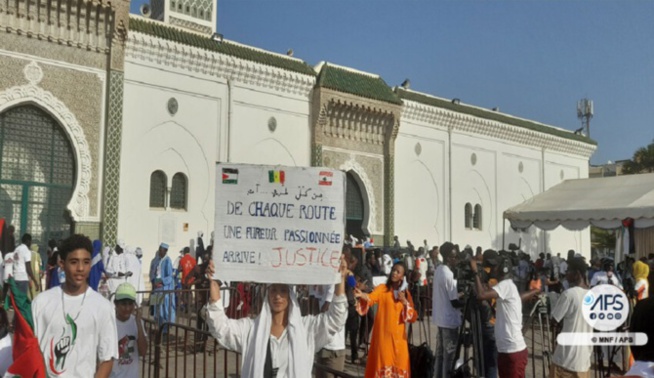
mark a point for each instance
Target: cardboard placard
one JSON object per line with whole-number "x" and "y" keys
{"x": 278, "y": 224}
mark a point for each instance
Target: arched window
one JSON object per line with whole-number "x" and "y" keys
{"x": 468, "y": 215}
{"x": 37, "y": 173}
{"x": 476, "y": 222}
{"x": 178, "y": 192}
{"x": 158, "y": 181}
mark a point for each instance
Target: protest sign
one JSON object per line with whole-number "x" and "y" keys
{"x": 278, "y": 224}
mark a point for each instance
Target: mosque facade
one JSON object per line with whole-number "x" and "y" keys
{"x": 111, "y": 125}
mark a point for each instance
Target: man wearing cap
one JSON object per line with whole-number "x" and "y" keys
{"x": 132, "y": 340}
{"x": 511, "y": 347}
{"x": 162, "y": 279}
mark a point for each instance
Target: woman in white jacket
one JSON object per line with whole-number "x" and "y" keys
{"x": 279, "y": 342}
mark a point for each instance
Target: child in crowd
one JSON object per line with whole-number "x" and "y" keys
{"x": 132, "y": 340}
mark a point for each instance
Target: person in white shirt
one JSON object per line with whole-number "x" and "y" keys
{"x": 606, "y": 276}
{"x": 23, "y": 273}
{"x": 331, "y": 355}
{"x": 511, "y": 347}
{"x": 643, "y": 354}
{"x": 279, "y": 342}
{"x": 445, "y": 313}
{"x": 75, "y": 326}
{"x": 132, "y": 339}
{"x": 572, "y": 360}
{"x": 116, "y": 269}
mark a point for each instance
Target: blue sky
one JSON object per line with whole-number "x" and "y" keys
{"x": 533, "y": 59}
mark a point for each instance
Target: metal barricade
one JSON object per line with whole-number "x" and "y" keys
{"x": 185, "y": 348}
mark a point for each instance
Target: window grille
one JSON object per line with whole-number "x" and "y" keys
{"x": 468, "y": 215}
{"x": 178, "y": 192}
{"x": 158, "y": 181}
{"x": 476, "y": 223}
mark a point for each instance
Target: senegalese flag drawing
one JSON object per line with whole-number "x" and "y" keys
{"x": 277, "y": 177}
{"x": 325, "y": 178}
{"x": 230, "y": 176}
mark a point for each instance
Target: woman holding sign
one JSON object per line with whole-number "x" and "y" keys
{"x": 389, "y": 349}
{"x": 279, "y": 342}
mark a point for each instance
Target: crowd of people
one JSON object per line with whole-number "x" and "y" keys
{"x": 86, "y": 322}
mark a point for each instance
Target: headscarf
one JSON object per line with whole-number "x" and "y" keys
{"x": 299, "y": 359}
{"x": 641, "y": 270}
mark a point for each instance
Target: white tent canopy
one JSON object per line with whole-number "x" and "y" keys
{"x": 601, "y": 202}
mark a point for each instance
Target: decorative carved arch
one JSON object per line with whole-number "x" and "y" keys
{"x": 33, "y": 94}
{"x": 370, "y": 217}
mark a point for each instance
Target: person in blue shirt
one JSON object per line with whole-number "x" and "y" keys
{"x": 163, "y": 284}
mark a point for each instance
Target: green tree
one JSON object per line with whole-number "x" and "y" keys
{"x": 602, "y": 239}
{"x": 641, "y": 162}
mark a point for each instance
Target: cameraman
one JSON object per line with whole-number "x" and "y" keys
{"x": 512, "y": 350}
{"x": 445, "y": 313}
{"x": 487, "y": 313}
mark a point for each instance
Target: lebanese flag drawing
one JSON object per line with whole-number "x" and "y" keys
{"x": 325, "y": 178}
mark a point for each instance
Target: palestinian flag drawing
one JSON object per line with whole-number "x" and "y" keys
{"x": 230, "y": 176}
{"x": 325, "y": 178}
{"x": 276, "y": 177}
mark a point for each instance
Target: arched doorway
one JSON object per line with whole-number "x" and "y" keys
{"x": 37, "y": 174}
{"x": 355, "y": 208}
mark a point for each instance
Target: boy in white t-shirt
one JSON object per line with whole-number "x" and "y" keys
{"x": 132, "y": 342}
{"x": 512, "y": 352}
{"x": 74, "y": 324}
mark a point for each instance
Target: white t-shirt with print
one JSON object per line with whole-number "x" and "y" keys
{"x": 568, "y": 309}
{"x": 444, "y": 290}
{"x": 8, "y": 267}
{"x": 127, "y": 364}
{"x": 22, "y": 255}
{"x": 72, "y": 348}
{"x": 508, "y": 320}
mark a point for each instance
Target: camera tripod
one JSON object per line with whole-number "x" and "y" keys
{"x": 470, "y": 335}
{"x": 615, "y": 353}
{"x": 540, "y": 312}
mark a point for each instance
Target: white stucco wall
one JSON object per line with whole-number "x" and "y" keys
{"x": 153, "y": 139}
{"x": 218, "y": 120}
{"x": 421, "y": 184}
{"x": 501, "y": 174}
{"x": 251, "y": 140}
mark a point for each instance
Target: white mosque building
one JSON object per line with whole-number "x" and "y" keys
{"x": 111, "y": 125}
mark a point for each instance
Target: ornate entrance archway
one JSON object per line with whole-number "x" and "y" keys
{"x": 37, "y": 173}
{"x": 355, "y": 208}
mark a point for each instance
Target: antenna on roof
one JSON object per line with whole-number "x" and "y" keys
{"x": 585, "y": 113}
